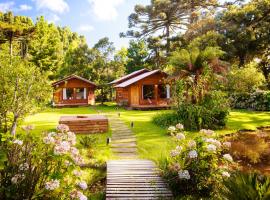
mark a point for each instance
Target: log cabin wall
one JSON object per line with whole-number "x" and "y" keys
{"x": 74, "y": 84}
{"x": 133, "y": 95}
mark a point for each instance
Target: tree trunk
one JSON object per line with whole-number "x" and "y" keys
{"x": 168, "y": 42}
{"x": 14, "y": 125}
{"x": 10, "y": 46}
{"x": 242, "y": 59}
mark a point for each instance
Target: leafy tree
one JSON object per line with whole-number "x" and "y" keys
{"x": 246, "y": 29}
{"x": 246, "y": 79}
{"x": 46, "y": 47}
{"x": 22, "y": 88}
{"x": 137, "y": 54}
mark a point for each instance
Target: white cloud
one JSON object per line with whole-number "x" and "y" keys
{"x": 7, "y": 6}
{"x": 58, "y": 6}
{"x": 85, "y": 28}
{"x": 25, "y": 7}
{"x": 53, "y": 18}
{"x": 105, "y": 10}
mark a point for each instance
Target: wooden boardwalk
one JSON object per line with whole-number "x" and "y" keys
{"x": 135, "y": 179}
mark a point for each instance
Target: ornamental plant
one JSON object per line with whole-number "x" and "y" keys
{"x": 41, "y": 167}
{"x": 197, "y": 166}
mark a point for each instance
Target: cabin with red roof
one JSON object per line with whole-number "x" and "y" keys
{"x": 73, "y": 91}
{"x": 143, "y": 89}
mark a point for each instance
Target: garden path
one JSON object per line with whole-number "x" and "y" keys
{"x": 123, "y": 142}
{"x": 130, "y": 177}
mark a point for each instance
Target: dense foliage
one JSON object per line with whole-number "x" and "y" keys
{"x": 41, "y": 167}
{"x": 258, "y": 100}
{"x": 196, "y": 167}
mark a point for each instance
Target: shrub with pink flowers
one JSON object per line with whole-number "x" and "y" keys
{"x": 41, "y": 167}
{"x": 197, "y": 166}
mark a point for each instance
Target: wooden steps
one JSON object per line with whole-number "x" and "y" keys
{"x": 135, "y": 179}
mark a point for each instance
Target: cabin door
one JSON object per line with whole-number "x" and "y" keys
{"x": 134, "y": 95}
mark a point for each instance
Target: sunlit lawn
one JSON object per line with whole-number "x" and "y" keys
{"x": 152, "y": 140}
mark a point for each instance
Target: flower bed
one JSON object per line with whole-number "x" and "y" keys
{"x": 197, "y": 166}
{"x": 43, "y": 168}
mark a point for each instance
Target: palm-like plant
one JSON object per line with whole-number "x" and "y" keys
{"x": 245, "y": 186}
{"x": 199, "y": 68}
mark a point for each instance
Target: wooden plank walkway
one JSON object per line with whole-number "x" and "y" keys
{"x": 135, "y": 179}
{"x": 131, "y": 178}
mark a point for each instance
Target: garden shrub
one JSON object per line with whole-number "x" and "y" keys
{"x": 196, "y": 167}
{"x": 259, "y": 100}
{"x": 41, "y": 167}
{"x": 211, "y": 113}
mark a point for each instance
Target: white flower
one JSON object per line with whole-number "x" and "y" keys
{"x": 67, "y": 163}
{"x": 213, "y": 141}
{"x": 180, "y": 136}
{"x": 24, "y": 167}
{"x": 48, "y": 140}
{"x": 51, "y": 134}
{"x": 18, "y": 177}
{"x": 225, "y": 174}
{"x": 77, "y": 173}
{"x": 62, "y": 148}
{"x": 193, "y": 154}
{"x": 75, "y": 194}
{"x": 74, "y": 151}
{"x": 179, "y": 148}
{"x": 207, "y": 132}
{"x": 77, "y": 159}
{"x": 228, "y": 157}
{"x": 184, "y": 174}
{"x": 191, "y": 144}
{"x": 227, "y": 145}
{"x": 62, "y": 128}
{"x": 82, "y": 185}
{"x": 52, "y": 185}
{"x": 82, "y": 196}
{"x": 179, "y": 126}
{"x": 19, "y": 142}
{"x": 171, "y": 128}
{"x": 71, "y": 137}
{"x": 174, "y": 153}
{"x": 211, "y": 148}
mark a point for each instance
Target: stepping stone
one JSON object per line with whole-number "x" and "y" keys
{"x": 124, "y": 140}
{"x": 132, "y": 144}
{"x": 123, "y": 137}
{"x": 124, "y": 150}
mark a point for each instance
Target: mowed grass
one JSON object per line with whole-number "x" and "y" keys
{"x": 153, "y": 142}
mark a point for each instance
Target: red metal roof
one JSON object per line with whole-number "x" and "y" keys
{"x": 124, "y": 78}
{"x": 71, "y": 77}
{"x": 137, "y": 78}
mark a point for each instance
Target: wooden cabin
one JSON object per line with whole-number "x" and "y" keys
{"x": 73, "y": 91}
{"x": 143, "y": 89}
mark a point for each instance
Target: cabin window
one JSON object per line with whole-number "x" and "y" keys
{"x": 68, "y": 93}
{"x": 162, "y": 91}
{"x": 148, "y": 91}
{"x": 80, "y": 93}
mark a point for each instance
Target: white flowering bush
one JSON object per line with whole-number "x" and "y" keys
{"x": 198, "y": 166}
{"x": 41, "y": 167}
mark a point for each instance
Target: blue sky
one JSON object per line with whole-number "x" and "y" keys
{"x": 92, "y": 18}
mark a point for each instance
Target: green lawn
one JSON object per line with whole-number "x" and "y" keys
{"x": 152, "y": 140}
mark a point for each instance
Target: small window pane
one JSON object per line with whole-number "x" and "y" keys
{"x": 79, "y": 93}
{"x": 69, "y": 92}
{"x": 162, "y": 91}
{"x": 148, "y": 91}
